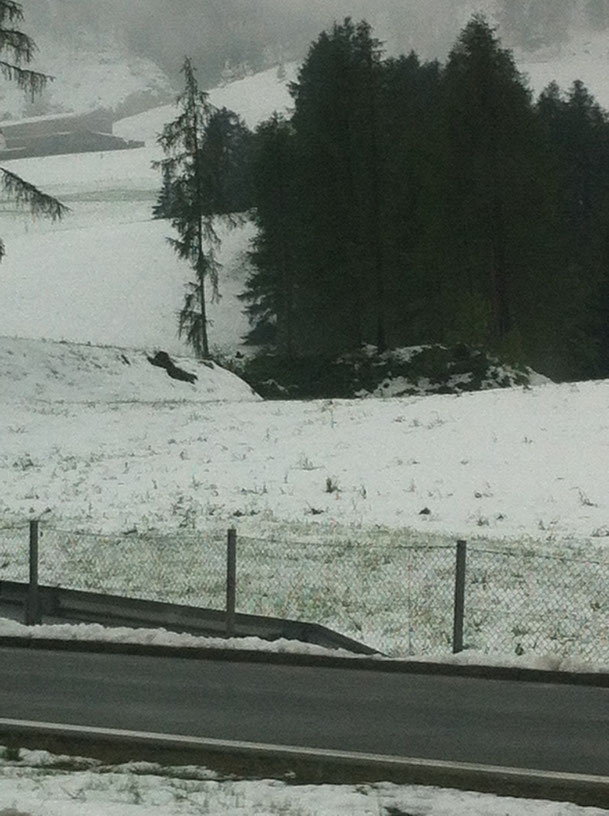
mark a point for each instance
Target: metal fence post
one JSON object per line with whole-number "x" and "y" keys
{"x": 231, "y": 581}
{"x": 459, "y": 597}
{"x": 32, "y": 613}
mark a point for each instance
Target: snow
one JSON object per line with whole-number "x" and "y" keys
{"x": 88, "y": 73}
{"x": 94, "y": 444}
{"x": 522, "y": 463}
{"x": 61, "y": 372}
{"x": 125, "y": 281}
{"x": 254, "y": 98}
{"x": 97, "y": 633}
{"x": 43, "y": 784}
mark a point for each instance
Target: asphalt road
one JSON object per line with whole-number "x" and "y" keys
{"x": 492, "y": 722}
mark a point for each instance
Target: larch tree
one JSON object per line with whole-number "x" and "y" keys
{"x": 200, "y": 174}
{"x": 16, "y": 53}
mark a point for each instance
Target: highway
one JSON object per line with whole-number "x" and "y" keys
{"x": 516, "y": 724}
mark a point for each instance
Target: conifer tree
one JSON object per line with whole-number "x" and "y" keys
{"x": 199, "y": 185}
{"x": 271, "y": 288}
{"x": 491, "y": 139}
{"x": 336, "y": 136}
{"x": 577, "y": 130}
{"x": 16, "y": 52}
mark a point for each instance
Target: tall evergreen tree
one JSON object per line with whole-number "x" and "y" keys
{"x": 270, "y": 290}
{"x": 336, "y": 135}
{"x": 410, "y": 166}
{"x": 577, "y": 129}
{"x": 491, "y": 140}
{"x": 202, "y": 179}
{"x": 16, "y": 52}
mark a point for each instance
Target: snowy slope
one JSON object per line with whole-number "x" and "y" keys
{"x": 67, "y": 373}
{"x": 88, "y": 72}
{"x": 106, "y": 274}
{"x": 254, "y": 98}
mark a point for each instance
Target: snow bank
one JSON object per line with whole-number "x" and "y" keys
{"x": 95, "y": 632}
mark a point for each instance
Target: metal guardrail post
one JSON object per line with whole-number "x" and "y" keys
{"x": 459, "y": 596}
{"x": 231, "y": 581}
{"x": 32, "y": 613}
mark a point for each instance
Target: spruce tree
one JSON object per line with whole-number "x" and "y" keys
{"x": 410, "y": 166}
{"x": 271, "y": 288}
{"x": 491, "y": 139}
{"x": 16, "y": 52}
{"x": 336, "y": 136}
{"x": 577, "y": 131}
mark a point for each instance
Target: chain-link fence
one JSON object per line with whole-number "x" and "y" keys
{"x": 398, "y": 600}
{"x": 183, "y": 568}
{"x": 519, "y": 603}
{"x": 397, "y": 597}
{"x": 14, "y": 554}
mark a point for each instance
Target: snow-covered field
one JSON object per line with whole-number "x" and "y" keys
{"x": 118, "y": 444}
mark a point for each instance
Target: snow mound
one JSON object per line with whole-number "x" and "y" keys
{"x": 68, "y": 372}
{"x": 401, "y": 372}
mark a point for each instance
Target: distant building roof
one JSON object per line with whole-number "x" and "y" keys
{"x": 100, "y": 120}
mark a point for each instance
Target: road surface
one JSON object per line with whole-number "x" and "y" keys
{"x": 493, "y": 722}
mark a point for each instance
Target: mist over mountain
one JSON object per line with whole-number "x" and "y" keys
{"x": 220, "y": 32}
{"x": 127, "y": 55}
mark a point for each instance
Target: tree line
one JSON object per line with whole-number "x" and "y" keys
{"x": 406, "y": 202}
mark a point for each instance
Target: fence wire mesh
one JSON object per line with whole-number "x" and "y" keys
{"x": 525, "y": 603}
{"x": 14, "y": 559}
{"x": 183, "y": 569}
{"x": 398, "y": 599}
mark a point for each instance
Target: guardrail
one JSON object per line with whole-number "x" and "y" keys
{"x": 115, "y": 610}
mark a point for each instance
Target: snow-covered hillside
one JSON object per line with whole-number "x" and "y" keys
{"x": 50, "y": 372}
{"x": 88, "y": 73}
{"x": 105, "y": 274}
{"x": 254, "y": 98}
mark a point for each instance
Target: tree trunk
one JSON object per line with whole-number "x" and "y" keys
{"x": 200, "y": 263}
{"x": 501, "y": 305}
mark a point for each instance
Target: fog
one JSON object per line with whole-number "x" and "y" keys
{"x": 256, "y": 32}
{"x": 261, "y": 33}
